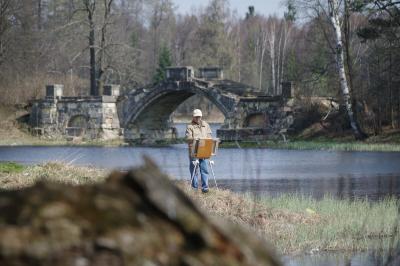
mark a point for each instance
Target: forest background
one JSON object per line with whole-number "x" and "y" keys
{"x": 86, "y": 43}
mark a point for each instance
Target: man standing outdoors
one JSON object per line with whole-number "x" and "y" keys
{"x": 198, "y": 129}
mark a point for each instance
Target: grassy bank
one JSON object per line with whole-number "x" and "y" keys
{"x": 294, "y": 224}
{"x": 316, "y": 145}
{"x": 11, "y": 168}
{"x": 388, "y": 141}
{"x": 15, "y": 176}
{"x": 336, "y": 224}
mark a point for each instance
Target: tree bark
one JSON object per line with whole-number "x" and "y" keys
{"x": 90, "y": 7}
{"x": 263, "y": 44}
{"x": 101, "y": 58}
{"x": 39, "y": 15}
{"x": 287, "y": 28}
{"x": 279, "y": 59}
{"x": 271, "y": 41}
{"x": 334, "y": 17}
{"x": 93, "y": 85}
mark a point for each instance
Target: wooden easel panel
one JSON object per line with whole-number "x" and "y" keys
{"x": 204, "y": 148}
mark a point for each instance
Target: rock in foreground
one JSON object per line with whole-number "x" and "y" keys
{"x": 138, "y": 218}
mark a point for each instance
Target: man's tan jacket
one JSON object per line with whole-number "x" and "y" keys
{"x": 195, "y": 131}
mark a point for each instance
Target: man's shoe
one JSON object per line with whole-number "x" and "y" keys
{"x": 205, "y": 190}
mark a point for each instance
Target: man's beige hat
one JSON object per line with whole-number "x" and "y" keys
{"x": 197, "y": 112}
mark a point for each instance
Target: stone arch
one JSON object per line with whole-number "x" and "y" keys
{"x": 256, "y": 120}
{"x": 151, "y": 110}
{"x": 77, "y": 125}
{"x": 172, "y": 99}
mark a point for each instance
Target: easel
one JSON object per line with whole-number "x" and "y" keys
{"x": 203, "y": 149}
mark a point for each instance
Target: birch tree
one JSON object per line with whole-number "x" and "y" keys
{"x": 263, "y": 38}
{"x": 333, "y": 11}
{"x": 271, "y": 49}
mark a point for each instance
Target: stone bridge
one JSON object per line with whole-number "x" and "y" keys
{"x": 146, "y": 113}
{"x": 248, "y": 114}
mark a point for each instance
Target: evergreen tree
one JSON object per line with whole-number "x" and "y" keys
{"x": 164, "y": 61}
{"x": 250, "y": 13}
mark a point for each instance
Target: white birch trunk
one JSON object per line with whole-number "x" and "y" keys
{"x": 239, "y": 53}
{"x": 256, "y": 60}
{"x": 334, "y": 17}
{"x": 272, "y": 55}
{"x": 279, "y": 62}
{"x": 264, "y": 41}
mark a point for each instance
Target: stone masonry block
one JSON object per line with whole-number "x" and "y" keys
{"x": 111, "y": 90}
{"x": 54, "y": 90}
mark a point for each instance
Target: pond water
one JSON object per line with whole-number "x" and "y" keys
{"x": 260, "y": 171}
{"x": 315, "y": 173}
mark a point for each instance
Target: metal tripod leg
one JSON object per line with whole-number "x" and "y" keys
{"x": 212, "y": 171}
{"x": 196, "y": 164}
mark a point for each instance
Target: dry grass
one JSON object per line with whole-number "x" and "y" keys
{"x": 293, "y": 224}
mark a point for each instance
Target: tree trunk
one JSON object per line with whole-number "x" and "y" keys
{"x": 287, "y": 27}
{"x": 348, "y": 61}
{"x": 271, "y": 40}
{"x": 279, "y": 59}
{"x": 239, "y": 55}
{"x": 390, "y": 81}
{"x": 262, "y": 59}
{"x": 334, "y": 17}
{"x": 100, "y": 59}
{"x": 71, "y": 8}
{"x": 39, "y": 15}
{"x": 93, "y": 86}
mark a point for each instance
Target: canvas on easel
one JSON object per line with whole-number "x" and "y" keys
{"x": 204, "y": 148}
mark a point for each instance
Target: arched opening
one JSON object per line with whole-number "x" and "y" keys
{"x": 183, "y": 114}
{"x": 76, "y": 126}
{"x": 257, "y": 120}
{"x": 166, "y": 116}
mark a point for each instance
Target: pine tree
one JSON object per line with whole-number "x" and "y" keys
{"x": 164, "y": 61}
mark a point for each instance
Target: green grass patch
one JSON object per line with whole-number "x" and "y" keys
{"x": 11, "y": 167}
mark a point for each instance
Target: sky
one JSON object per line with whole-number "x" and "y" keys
{"x": 265, "y": 7}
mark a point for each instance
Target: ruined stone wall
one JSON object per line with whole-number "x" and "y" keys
{"x": 44, "y": 117}
{"x": 51, "y": 117}
{"x": 276, "y": 111}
